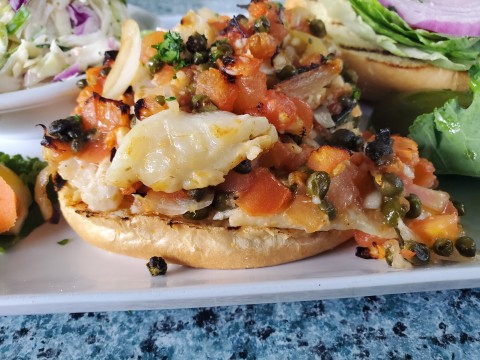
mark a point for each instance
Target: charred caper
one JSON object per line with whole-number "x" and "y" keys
{"x": 157, "y": 266}
{"x": 443, "y": 247}
{"x": 196, "y": 43}
{"x": 318, "y": 184}
{"x": 154, "y": 64}
{"x": 422, "y": 253}
{"x": 222, "y": 201}
{"x": 287, "y": 72}
{"x": 262, "y": 24}
{"x": 105, "y": 71}
{"x": 82, "y": 83}
{"x": 202, "y": 103}
{"x": 327, "y": 207}
{"x": 346, "y": 139}
{"x": 466, "y": 246}
{"x": 244, "y": 167}
{"x": 390, "y": 185}
{"x": 415, "y": 206}
{"x": 317, "y": 28}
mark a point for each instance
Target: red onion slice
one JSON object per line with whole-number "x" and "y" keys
{"x": 456, "y": 18}
{"x": 68, "y": 73}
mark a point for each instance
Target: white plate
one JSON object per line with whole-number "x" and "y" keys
{"x": 41, "y": 276}
{"x": 21, "y": 110}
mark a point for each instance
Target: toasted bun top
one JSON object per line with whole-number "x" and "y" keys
{"x": 195, "y": 244}
{"x": 382, "y": 74}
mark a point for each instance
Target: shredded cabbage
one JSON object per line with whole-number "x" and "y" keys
{"x": 46, "y": 40}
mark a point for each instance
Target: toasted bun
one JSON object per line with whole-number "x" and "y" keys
{"x": 382, "y": 74}
{"x": 194, "y": 244}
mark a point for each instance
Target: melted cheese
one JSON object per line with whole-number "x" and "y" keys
{"x": 172, "y": 150}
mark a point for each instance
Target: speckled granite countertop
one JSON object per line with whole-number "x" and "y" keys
{"x": 433, "y": 325}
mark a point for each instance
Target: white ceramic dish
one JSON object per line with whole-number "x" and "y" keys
{"x": 40, "y": 276}
{"x": 21, "y": 110}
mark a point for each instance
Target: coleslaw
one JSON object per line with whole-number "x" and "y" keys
{"x": 42, "y": 40}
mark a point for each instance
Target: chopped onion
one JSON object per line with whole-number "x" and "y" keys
{"x": 83, "y": 18}
{"x": 17, "y": 4}
{"x": 456, "y": 18}
{"x": 126, "y": 63}
{"x": 323, "y": 117}
{"x": 68, "y": 73}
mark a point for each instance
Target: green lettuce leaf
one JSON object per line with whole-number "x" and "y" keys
{"x": 450, "y": 136}
{"x": 455, "y": 53}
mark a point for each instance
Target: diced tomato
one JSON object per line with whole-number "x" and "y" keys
{"x": 94, "y": 79}
{"x": 278, "y": 30}
{"x": 258, "y": 8}
{"x": 435, "y": 227}
{"x": 262, "y": 45}
{"x": 424, "y": 174}
{"x": 95, "y": 151}
{"x": 104, "y": 115}
{"x": 327, "y": 158}
{"x": 342, "y": 191}
{"x": 241, "y": 66}
{"x": 215, "y": 85}
{"x": 286, "y": 157}
{"x": 8, "y": 206}
{"x": 367, "y": 240}
{"x": 148, "y": 42}
{"x": 148, "y": 106}
{"x": 164, "y": 76}
{"x": 250, "y": 90}
{"x": 406, "y": 149}
{"x": 305, "y": 113}
{"x": 265, "y": 196}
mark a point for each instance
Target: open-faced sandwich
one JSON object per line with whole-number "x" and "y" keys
{"x": 231, "y": 142}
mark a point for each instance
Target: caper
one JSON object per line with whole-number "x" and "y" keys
{"x": 262, "y": 24}
{"x": 160, "y": 99}
{"x": 287, "y": 72}
{"x": 318, "y": 184}
{"x": 327, "y": 207}
{"x": 196, "y": 43}
{"x": 317, "y": 28}
{"x": 222, "y": 201}
{"x": 443, "y": 247}
{"x": 466, "y": 246}
{"x": 105, "y": 71}
{"x": 154, "y": 65}
{"x": 198, "y": 194}
{"x": 390, "y": 184}
{"x": 220, "y": 49}
{"x": 422, "y": 253}
{"x": 389, "y": 256}
{"x": 392, "y": 210}
{"x": 82, "y": 83}
{"x": 459, "y": 206}
{"x": 347, "y": 139}
{"x": 199, "y": 58}
{"x": 415, "y": 206}
{"x": 243, "y": 167}
{"x": 202, "y": 103}
{"x": 198, "y": 214}
{"x": 157, "y": 266}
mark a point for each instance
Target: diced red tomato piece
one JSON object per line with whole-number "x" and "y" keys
{"x": 406, "y": 149}
{"x": 215, "y": 85}
{"x": 148, "y": 42}
{"x": 235, "y": 182}
{"x": 305, "y": 113}
{"x": 286, "y": 157}
{"x": 251, "y": 89}
{"x": 262, "y": 45}
{"x": 164, "y": 76}
{"x": 265, "y": 196}
{"x": 435, "y": 227}
{"x": 327, "y": 158}
{"x": 342, "y": 191}
{"x": 424, "y": 174}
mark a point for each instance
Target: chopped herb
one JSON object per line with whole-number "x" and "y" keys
{"x": 63, "y": 242}
{"x": 171, "y": 49}
{"x": 171, "y": 98}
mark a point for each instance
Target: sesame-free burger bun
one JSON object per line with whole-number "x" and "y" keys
{"x": 196, "y": 243}
{"x": 380, "y": 74}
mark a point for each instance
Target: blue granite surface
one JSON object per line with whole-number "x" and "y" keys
{"x": 433, "y": 325}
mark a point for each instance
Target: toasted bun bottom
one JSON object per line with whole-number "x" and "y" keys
{"x": 381, "y": 74}
{"x": 194, "y": 244}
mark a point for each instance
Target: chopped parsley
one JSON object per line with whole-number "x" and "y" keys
{"x": 63, "y": 242}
